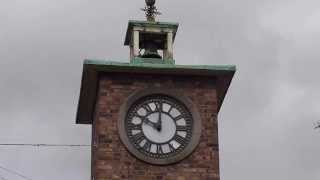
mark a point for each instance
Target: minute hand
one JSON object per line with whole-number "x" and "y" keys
{"x": 159, "y": 120}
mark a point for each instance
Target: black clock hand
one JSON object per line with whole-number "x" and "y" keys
{"x": 150, "y": 123}
{"x": 159, "y": 127}
{"x": 158, "y": 124}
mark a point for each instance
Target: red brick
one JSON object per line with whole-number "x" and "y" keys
{"x": 110, "y": 158}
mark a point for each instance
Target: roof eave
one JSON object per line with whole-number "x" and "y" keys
{"x": 91, "y": 69}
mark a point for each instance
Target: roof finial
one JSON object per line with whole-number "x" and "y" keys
{"x": 151, "y": 10}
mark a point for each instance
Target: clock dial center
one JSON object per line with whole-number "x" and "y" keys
{"x": 168, "y": 128}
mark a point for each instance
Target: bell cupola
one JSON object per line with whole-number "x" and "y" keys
{"x": 151, "y": 41}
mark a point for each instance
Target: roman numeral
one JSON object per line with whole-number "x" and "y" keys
{"x": 159, "y": 106}
{"x": 134, "y": 127}
{"x": 180, "y": 139}
{"x": 159, "y": 149}
{"x": 178, "y": 117}
{"x": 147, "y": 146}
{"x": 137, "y": 115}
{"x": 138, "y": 137}
{"x": 171, "y": 148}
{"x": 181, "y": 128}
{"x": 147, "y": 108}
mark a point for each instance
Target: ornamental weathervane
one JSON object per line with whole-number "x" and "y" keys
{"x": 151, "y": 10}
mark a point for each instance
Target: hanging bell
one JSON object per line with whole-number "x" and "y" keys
{"x": 150, "y": 2}
{"x": 151, "y": 51}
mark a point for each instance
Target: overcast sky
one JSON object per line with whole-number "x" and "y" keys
{"x": 266, "y": 122}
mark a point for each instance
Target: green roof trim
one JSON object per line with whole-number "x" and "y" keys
{"x": 109, "y": 64}
{"x": 155, "y": 24}
{"x": 222, "y": 74}
{"x": 139, "y": 60}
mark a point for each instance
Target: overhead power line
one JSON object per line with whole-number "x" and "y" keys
{"x": 36, "y": 145}
{"x": 2, "y": 178}
{"x": 14, "y": 172}
{"x": 48, "y": 145}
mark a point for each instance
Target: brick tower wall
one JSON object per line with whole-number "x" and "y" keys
{"x": 110, "y": 158}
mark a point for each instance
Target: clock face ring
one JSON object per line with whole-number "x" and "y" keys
{"x": 159, "y": 128}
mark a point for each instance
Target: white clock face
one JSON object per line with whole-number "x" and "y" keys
{"x": 161, "y": 134}
{"x": 159, "y": 126}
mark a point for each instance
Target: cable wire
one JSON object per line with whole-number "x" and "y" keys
{"x": 2, "y": 178}
{"x": 15, "y": 173}
{"x": 36, "y": 145}
{"x": 48, "y": 145}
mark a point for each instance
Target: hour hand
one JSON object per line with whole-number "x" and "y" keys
{"x": 150, "y": 123}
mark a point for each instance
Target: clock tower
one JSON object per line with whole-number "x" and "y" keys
{"x": 151, "y": 118}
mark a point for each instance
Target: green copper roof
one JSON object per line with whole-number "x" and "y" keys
{"x": 171, "y": 25}
{"x": 149, "y": 24}
{"x": 222, "y": 75}
{"x": 193, "y": 69}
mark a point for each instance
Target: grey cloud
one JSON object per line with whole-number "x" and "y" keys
{"x": 266, "y": 121}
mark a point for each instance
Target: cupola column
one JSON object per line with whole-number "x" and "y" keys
{"x": 168, "y": 53}
{"x": 136, "y": 47}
